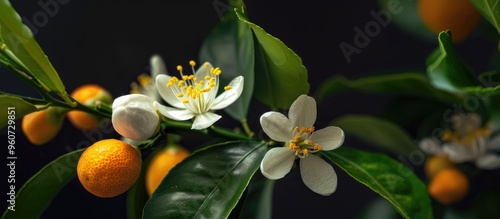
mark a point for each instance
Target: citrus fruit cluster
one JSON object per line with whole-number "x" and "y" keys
{"x": 42, "y": 126}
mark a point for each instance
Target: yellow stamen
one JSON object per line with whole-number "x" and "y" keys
{"x": 228, "y": 87}
{"x": 180, "y": 95}
{"x": 179, "y": 68}
{"x": 185, "y": 100}
{"x": 192, "y": 63}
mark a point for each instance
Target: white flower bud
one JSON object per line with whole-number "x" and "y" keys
{"x": 134, "y": 117}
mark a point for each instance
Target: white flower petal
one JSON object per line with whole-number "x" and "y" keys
{"x": 166, "y": 92}
{"x": 174, "y": 113}
{"x": 157, "y": 66}
{"x": 488, "y": 161}
{"x": 277, "y": 162}
{"x": 302, "y": 112}
{"x": 134, "y": 117}
{"x": 276, "y": 126}
{"x": 329, "y": 138}
{"x": 430, "y": 146}
{"x": 318, "y": 175}
{"x": 458, "y": 153}
{"x": 228, "y": 97}
{"x": 203, "y": 70}
{"x": 205, "y": 120}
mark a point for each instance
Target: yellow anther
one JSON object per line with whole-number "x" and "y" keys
{"x": 180, "y": 83}
{"x": 212, "y": 79}
{"x": 180, "y": 95}
{"x": 144, "y": 79}
{"x": 296, "y": 138}
{"x": 207, "y": 77}
{"x": 184, "y": 87}
{"x": 206, "y": 89}
{"x": 228, "y": 87}
{"x": 170, "y": 84}
{"x": 296, "y": 129}
{"x": 311, "y": 129}
{"x": 192, "y": 63}
{"x": 185, "y": 100}
{"x": 185, "y": 77}
{"x": 179, "y": 68}
{"x": 211, "y": 84}
{"x": 201, "y": 82}
{"x": 206, "y": 65}
{"x": 191, "y": 77}
{"x": 305, "y": 151}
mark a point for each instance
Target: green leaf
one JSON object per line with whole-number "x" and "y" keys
{"x": 490, "y": 84}
{"x": 39, "y": 191}
{"x": 259, "y": 199}
{"x": 280, "y": 73}
{"x": 401, "y": 84}
{"x": 230, "y": 46}
{"x": 208, "y": 183}
{"x": 378, "y": 132}
{"x": 21, "y": 45}
{"x": 387, "y": 177}
{"x": 490, "y": 9}
{"x": 18, "y": 105}
{"x": 446, "y": 69}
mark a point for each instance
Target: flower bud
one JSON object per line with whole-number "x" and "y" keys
{"x": 42, "y": 126}
{"x": 89, "y": 95}
{"x": 134, "y": 117}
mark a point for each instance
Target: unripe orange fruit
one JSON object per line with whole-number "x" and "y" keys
{"x": 109, "y": 168}
{"x": 449, "y": 186}
{"x": 459, "y": 16}
{"x": 42, "y": 126}
{"x": 436, "y": 163}
{"x": 88, "y": 95}
{"x": 161, "y": 164}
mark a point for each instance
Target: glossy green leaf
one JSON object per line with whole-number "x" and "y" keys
{"x": 18, "y": 105}
{"x": 404, "y": 15}
{"x": 446, "y": 70}
{"x": 208, "y": 183}
{"x": 378, "y": 132}
{"x": 259, "y": 199}
{"x": 387, "y": 177}
{"x": 21, "y": 45}
{"x": 230, "y": 46}
{"x": 490, "y": 9}
{"x": 401, "y": 84}
{"x": 39, "y": 191}
{"x": 490, "y": 82}
{"x": 280, "y": 73}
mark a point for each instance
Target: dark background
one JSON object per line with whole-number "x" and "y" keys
{"x": 109, "y": 43}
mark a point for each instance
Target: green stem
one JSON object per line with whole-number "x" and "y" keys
{"x": 246, "y": 128}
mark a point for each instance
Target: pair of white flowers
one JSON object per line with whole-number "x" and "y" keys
{"x": 135, "y": 116}
{"x": 468, "y": 142}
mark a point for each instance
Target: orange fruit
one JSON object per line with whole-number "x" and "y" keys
{"x": 88, "y": 95}
{"x": 459, "y": 16}
{"x": 436, "y": 163}
{"x": 161, "y": 164}
{"x": 109, "y": 167}
{"x": 42, "y": 126}
{"x": 449, "y": 186}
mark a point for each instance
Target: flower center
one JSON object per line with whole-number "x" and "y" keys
{"x": 144, "y": 80}
{"x": 466, "y": 135}
{"x": 301, "y": 144}
{"x": 196, "y": 93}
